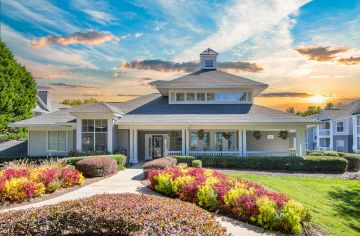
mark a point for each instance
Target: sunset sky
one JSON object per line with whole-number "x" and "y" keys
{"x": 307, "y": 51}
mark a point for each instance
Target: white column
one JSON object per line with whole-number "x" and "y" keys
{"x": 240, "y": 141}
{"x": 187, "y": 141}
{"x": 183, "y": 142}
{"x": 131, "y": 146}
{"x": 78, "y": 135}
{"x": 300, "y": 141}
{"x": 244, "y": 143}
{"x": 331, "y": 135}
{"x": 110, "y": 135}
{"x": 135, "y": 148}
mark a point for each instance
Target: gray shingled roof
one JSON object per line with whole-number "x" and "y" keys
{"x": 49, "y": 119}
{"x": 99, "y": 107}
{"x": 209, "y": 51}
{"x": 215, "y": 78}
{"x": 156, "y": 109}
{"x": 343, "y": 112}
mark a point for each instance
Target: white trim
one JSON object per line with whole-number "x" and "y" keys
{"x": 131, "y": 146}
{"x": 244, "y": 151}
{"x": 183, "y": 144}
{"x": 28, "y": 145}
{"x": 135, "y": 146}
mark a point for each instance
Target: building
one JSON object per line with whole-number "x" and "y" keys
{"x": 208, "y": 112}
{"x": 339, "y": 129}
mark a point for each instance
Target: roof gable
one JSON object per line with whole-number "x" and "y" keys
{"x": 99, "y": 107}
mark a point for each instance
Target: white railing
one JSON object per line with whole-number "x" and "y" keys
{"x": 174, "y": 153}
{"x": 269, "y": 154}
{"x": 324, "y": 132}
{"x": 214, "y": 153}
{"x": 324, "y": 148}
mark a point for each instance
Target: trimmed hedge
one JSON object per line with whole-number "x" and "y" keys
{"x": 161, "y": 163}
{"x": 307, "y": 164}
{"x": 353, "y": 161}
{"x": 96, "y": 167}
{"x": 120, "y": 159}
{"x": 182, "y": 165}
{"x": 112, "y": 214}
{"x": 185, "y": 159}
{"x": 196, "y": 163}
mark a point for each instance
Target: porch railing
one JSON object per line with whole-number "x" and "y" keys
{"x": 214, "y": 153}
{"x": 174, "y": 153}
{"x": 324, "y": 149}
{"x": 269, "y": 154}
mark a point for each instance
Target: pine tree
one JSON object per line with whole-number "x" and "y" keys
{"x": 17, "y": 93}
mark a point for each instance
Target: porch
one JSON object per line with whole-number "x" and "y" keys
{"x": 147, "y": 144}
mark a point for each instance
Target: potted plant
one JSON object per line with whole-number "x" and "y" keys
{"x": 227, "y": 136}
{"x": 173, "y": 134}
{"x": 257, "y": 135}
{"x": 284, "y": 134}
{"x": 201, "y": 134}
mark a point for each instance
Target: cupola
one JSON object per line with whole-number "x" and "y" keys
{"x": 208, "y": 59}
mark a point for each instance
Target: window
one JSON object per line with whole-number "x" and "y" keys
{"x": 358, "y": 143}
{"x": 190, "y": 97}
{"x": 231, "y": 141}
{"x": 324, "y": 142}
{"x": 200, "y": 97}
{"x": 231, "y": 97}
{"x": 340, "y": 145}
{"x": 180, "y": 97}
{"x": 94, "y": 135}
{"x": 206, "y": 140}
{"x": 219, "y": 141}
{"x": 194, "y": 141}
{"x": 57, "y": 140}
{"x": 210, "y": 96}
{"x": 209, "y": 63}
{"x": 340, "y": 126}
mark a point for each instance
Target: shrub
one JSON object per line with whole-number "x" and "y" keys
{"x": 307, "y": 164}
{"x": 120, "y": 159}
{"x": 238, "y": 198}
{"x": 113, "y": 214}
{"x": 182, "y": 165}
{"x": 185, "y": 159}
{"x": 97, "y": 166}
{"x": 196, "y": 163}
{"x": 353, "y": 161}
{"x": 316, "y": 153}
{"x": 18, "y": 189}
{"x": 331, "y": 153}
{"x": 161, "y": 163}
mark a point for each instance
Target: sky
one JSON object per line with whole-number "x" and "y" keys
{"x": 307, "y": 51}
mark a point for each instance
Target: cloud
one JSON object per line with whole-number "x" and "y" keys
{"x": 128, "y": 95}
{"x": 91, "y": 37}
{"x": 99, "y": 11}
{"x": 350, "y": 61}
{"x": 159, "y": 25}
{"x": 76, "y": 86}
{"x": 100, "y": 16}
{"x": 286, "y": 94}
{"x": 319, "y": 53}
{"x": 138, "y": 35}
{"x": 169, "y": 66}
{"x": 145, "y": 81}
{"x": 240, "y": 21}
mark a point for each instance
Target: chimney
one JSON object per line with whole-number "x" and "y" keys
{"x": 208, "y": 60}
{"x": 45, "y": 98}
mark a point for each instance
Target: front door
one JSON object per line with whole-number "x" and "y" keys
{"x": 157, "y": 146}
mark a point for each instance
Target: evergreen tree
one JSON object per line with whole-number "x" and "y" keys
{"x": 17, "y": 93}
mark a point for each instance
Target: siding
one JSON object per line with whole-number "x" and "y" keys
{"x": 123, "y": 139}
{"x": 348, "y": 142}
{"x": 264, "y": 144}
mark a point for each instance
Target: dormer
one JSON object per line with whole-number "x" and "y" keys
{"x": 208, "y": 60}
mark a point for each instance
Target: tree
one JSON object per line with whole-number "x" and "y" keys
{"x": 290, "y": 110}
{"x": 311, "y": 110}
{"x": 329, "y": 106}
{"x": 78, "y": 102}
{"x": 17, "y": 93}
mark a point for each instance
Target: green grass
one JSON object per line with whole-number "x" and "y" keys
{"x": 334, "y": 204}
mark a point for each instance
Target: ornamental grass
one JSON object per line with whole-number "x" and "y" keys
{"x": 241, "y": 199}
{"x": 19, "y": 182}
{"x": 113, "y": 214}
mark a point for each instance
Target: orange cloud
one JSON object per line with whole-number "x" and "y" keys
{"x": 91, "y": 37}
{"x": 350, "y": 61}
{"x": 319, "y": 53}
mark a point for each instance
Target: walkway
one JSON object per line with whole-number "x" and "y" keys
{"x": 129, "y": 181}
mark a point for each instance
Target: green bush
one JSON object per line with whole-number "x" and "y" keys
{"x": 331, "y": 153}
{"x": 120, "y": 159}
{"x": 353, "y": 161}
{"x": 182, "y": 164}
{"x": 196, "y": 163}
{"x": 308, "y": 164}
{"x": 185, "y": 159}
{"x": 315, "y": 153}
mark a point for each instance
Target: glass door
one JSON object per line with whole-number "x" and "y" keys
{"x": 157, "y": 146}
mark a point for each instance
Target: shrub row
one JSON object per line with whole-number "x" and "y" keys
{"x": 307, "y": 164}
{"x": 238, "y": 198}
{"x": 160, "y": 163}
{"x": 185, "y": 159}
{"x": 353, "y": 159}
{"x": 112, "y": 214}
{"x": 96, "y": 167}
{"x": 120, "y": 159}
{"x": 21, "y": 183}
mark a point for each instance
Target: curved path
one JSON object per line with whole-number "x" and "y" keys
{"x": 129, "y": 181}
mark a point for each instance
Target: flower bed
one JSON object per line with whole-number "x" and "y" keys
{"x": 24, "y": 182}
{"x": 241, "y": 199}
{"x": 113, "y": 214}
{"x": 160, "y": 163}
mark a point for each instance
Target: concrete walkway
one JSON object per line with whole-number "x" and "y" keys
{"x": 129, "y": 181}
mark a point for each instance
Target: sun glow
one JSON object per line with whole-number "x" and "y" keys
{"x": 316, "y": 99}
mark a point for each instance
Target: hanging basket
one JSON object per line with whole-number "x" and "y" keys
{"x": 284, "y": 134}
{"x": 201, "y": 134}
{"x": 226, "y": 135}
{"x": 257, "y": 135}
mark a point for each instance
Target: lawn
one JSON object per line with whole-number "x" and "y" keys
{"x": 334, "y": 203}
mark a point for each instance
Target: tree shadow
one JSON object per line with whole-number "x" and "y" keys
{"x": 347, "y": 204}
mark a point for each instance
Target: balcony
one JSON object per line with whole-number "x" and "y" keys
{"x": 324, "y": 132}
